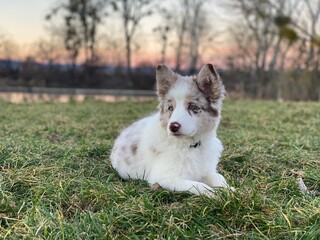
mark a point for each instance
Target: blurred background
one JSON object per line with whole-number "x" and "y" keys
{"x": 266, "y": 49}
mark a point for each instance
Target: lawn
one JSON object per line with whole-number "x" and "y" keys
{"x": 56, "y": 181}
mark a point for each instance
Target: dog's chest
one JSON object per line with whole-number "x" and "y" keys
{"x": 184, "y": 162}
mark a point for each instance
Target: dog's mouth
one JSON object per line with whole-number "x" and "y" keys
{"x": 177, "y": 134}
{"x": 180, "y": 135}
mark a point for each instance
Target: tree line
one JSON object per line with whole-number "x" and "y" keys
{"x": 274, "y": 46}
{"x": 278, "y": 43}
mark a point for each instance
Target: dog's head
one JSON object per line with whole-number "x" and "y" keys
{"x": 189, "y": 106}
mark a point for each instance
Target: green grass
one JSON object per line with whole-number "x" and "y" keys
{"x": 56, "y": 181}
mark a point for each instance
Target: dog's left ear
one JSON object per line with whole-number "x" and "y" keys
{"x": 210, "y": 83}
{"x": 165, "y": 79}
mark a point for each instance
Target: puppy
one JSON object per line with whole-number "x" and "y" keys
{"x": 176, "y": 147}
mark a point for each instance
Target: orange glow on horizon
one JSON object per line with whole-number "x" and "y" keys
{"x": 148, "y": 57}
{"x": 23, "y": 23}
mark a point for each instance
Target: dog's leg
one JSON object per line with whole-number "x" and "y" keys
{"x": 182, "y": 185}
{"x": 216, "y": 180}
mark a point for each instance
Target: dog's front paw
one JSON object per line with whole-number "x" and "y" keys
{"x": 208, "y": 193}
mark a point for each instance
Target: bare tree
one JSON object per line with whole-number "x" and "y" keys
{"x": 258, "y": 19}
{"x": 114, "y": 45}
{"x": 175, "y": 17}
{"x": 188, "y": 20}
{"x": 8, "y": 49}
{"x": 72, "y": 41}
{"x": 313, "y": 10}
{"x": 180, "y": 25}
{"x": 271, "y": 33}
{"x": 48, "y": 50}
{"x": 81, "y": 19}
{"x": 308, "y": 53}
{"x": 197, "y": 23}
{"x": 314, "y": 13}
{"x": 163, "y": 30}
{"x": 242, "y": 56}
{"x": 132, "y": 13}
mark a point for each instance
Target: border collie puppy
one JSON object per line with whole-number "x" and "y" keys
{"x": 177, "y": 147}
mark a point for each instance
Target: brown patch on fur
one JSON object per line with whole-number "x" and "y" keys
{"x": 134, "y": 148}
{"x": 155, "y": 151}
{"x": 196, "y": 99}
{"x": 164, "y": 87}
{"x": 213, "y": 112}
{"x": 165, "y": 114}
{"x": 163, "y": 120}
{"x": 127, "y": 161}
{"x": 195, "y": 109}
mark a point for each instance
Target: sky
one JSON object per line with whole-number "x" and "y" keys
{"x": 24, "y": 20}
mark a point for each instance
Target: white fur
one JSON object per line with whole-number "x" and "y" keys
{"x": 180, "y": 115}
{"x": 147, "y": 150}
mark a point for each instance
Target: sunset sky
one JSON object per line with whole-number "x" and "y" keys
{"x": 23, "y": 21}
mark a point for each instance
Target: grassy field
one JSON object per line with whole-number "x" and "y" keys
{"x": 56, "y": 181}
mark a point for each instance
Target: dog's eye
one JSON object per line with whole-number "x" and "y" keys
{"x": 170, "y": 108}
{"x": 193, "y": 107}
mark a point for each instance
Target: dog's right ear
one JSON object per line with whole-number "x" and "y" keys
{"x": 209, "y": 83}
{"x": 165, "y": 78}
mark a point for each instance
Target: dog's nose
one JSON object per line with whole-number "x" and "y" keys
{"x": 174, "y": 127}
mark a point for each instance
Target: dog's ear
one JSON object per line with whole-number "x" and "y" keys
{"x": 209, "y": 83}
{"x": 165, "y": 78}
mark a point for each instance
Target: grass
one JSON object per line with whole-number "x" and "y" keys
{"x": 56, "y": 181}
